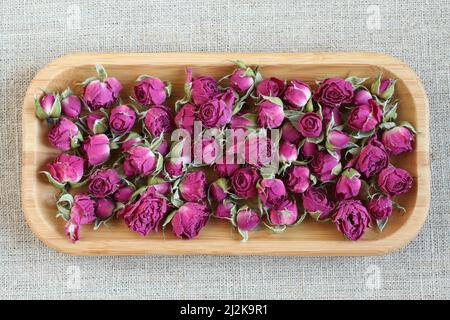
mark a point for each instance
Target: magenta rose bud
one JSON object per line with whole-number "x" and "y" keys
{"x": 218, "y": 190}
{"x": 243, "y": 182}
{"x": 316, "y": 202}
{"x": 97, "y": 149}
{"x": 189, "y": 219}
{"x": 337, "y": 140}
{"x": 193, "y": 186}
{"x": 164, "y": 148}
{"x": 247, "y": 219}
{"x": 240, "y": 81}
{"x": 145, "y": 215}
{"x": 130, "y": 141}
{"x": 380, "y": 207}
{"x": 297, "y": 179}
{"x": 272, "y": 87}
{"x": 186, "y": 117}
{"x": 394, "y": 181}
{"x": 83, "y": 209}
{"x": 96, "y": 123}
{"x": 203, "y": 89}
{"x": 64, "y": 135}
{"x": 225, "y": 209}
{"x": 98, "y": 94}
{"x": 150, "y": 91}
{"x": 372, "y": 159}
{"x": 384, "y": 89}
{"x": 285, "y": 213}
{"x": 104, "y": 182}
{"x": 325, "y": 166}
{"x": 224, "y": 169}
{"x": 243, "y": 121}
{"x": 288, "y": 151}
{"x": 105, "y": 208}
{"x": 362, "y": 97}
{"x": 398, "y": 140}
{"x": 214, "y": 114}
{"x": 365, "y": 117}
{"x": 309, "y": 149}
{"x": 71, "y": 106}
{"x": 352, "y": 219}
{"x": 47, "y": 102}
{"x": 270, "y": 114}
{"x": 289, "y": 133}
{"x": 310, "y": 125}
{"x": 348, "y": 185}
{"x": 139, "y": 161}
{"x": 67, "y": 168}
{"x": 123, "y": 194}
{"x": 121, "y": 119}
{"x": 49, "y": 106}
{"x": 334, "y": 92}
{"x": 328, "y": 112}
{"x": 297, "y": 94}
{"x": 174, "y": 167}
{"x": 271, "y": 192}
{"x": 158, "y": 119}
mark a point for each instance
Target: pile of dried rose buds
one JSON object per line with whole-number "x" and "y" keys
{"x": 257, "y": 152}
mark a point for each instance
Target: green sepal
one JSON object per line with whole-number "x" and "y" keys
{"x": 350, "y": 173}
{"x": 64, "y": 206}
{"x": 409, "y": 126}
{"x": 102, "y": 74}
{"x": 169, "y": 218}
{"x": 381, "y": 224}
{"x": 274, "y": 100}
{"x": 56, "y": 107}
{"x": 55, "y": 183}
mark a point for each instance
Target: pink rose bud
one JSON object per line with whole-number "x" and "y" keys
{"x": 193, "y": 186}
{"x": 164, "y": 148}
{"x": 365, "y": 117}
{"x": 96, "y": 123}
{"x": 123, "y": 194}
{"x": 207, "y": 151}
{"x": 67, "y": 168}
{"x": 158, "y": 120}
{"x": 398, "y": 140}
{"x": 247, "y": 219}
{"x": 297, "y": 179}
{"x": 131, "y": 140}
{"x": 203, "y": 89}
{"x": 49, "y": 106}
{"x": 316, "y": 202}
{"x": 150, "y": 91}
{"x": 310, "y": 125}
{"x": 394, "y": 181}
{"x": 309, "y": 149}
{"x": 383, "y": 89}
{"x": 328, "y": 112}
{"x": 270, "y": 114}
{"x": 289, "y": 133}
{"x": 72, "y": 230}
{"x": 225, "y": 209}
{"x": 288, "y": 151}
{"x": 174, "y": 167}
{"x": 243, "y": 182}
{"x": 214, "y": 113}
{"x": 160, "y": 187}
{"x": 372, "y": 159}
{"x": 229, "y": 97}
{"x": 185, "y": 117}
{"x": 362, "y": 97}
{"x": 272, "y": 87}
{"x": 218, "y": 190}
{"x": 337, "y": 140}
{"x": 189, "y": 219}
{"x": 285, "y": 213}
{"x": 380, "y": 207}
{"x": 224, "y": 169}
{"x": 146, "y": 214}
{"x": 352, "y": 219}
{"x": 101, "y": 94}
{"x": 297, "y": 94}
{"x": 71, "y": 106}
{"x": 240, "y": 80}
{"x": 97, "y": 149}
{"x": 104, "y": 182}
{"x": 121, "y": 119}
{"x": 105, "y": 208}
{"x": 334, "y": 92}
{"x": 83, "y": 209}
{"x": 271, "y": 192}
{"x": 64, "y": 135}
{"x": 348, "y": 185}
{"x": 243, "y": 121}
{"x": 325, "y": 166}
{"x": 139, "y": 161}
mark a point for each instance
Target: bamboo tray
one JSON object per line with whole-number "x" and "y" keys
{"x": 308, "y": 239}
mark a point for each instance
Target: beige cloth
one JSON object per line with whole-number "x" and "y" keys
{"x": 34, "y": 33}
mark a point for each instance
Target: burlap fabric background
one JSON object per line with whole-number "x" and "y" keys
{"x": 32, "y": 33}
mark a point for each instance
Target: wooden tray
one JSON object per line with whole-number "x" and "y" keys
{"x": 309, "y": 239}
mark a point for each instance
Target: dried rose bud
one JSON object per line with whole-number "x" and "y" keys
{"x": 121, "y": 119}
{"x": 247, "y": 219}
{"x": 365, "y": 117}
{"x": 189, "y": 219}
{"x": 380, "y": 207}
{"x": 325, "y": 166}
{"x": 174, "y": 167}
{"x": 97, "y": 149}
{"x": 67, "y": 168}
{"x": 218, "y": 190}
{"x": 65, "y": 135}
{"x": 158, "y": 120}
{"x": 214, "y": 114}
{"x": 352, "y": 219}
{"x": 316, "y": 202}
{"x": 243, "y": 182}
{"x": 186, "y": 117}
{"x": 309, "y": 149}
{"x": 372, "y": 159}
{"x": 289, "y": 133}
{"x": 337, "y": 140}
{"x": 240, "y": 80}
{"x": 348, "y": 184}
{"x": 285, "y": 213}
{"x": 394, "y": 181}
{"x": 288, "y": 151}
{"x": 271, "y": 192}
{"x": 102, "y": 92}
{"x": 130, "y": 141}
{"x": 225, "y": 169}
{"x": 71, "y": 106}
{"x": 96, "y": 123}
{"x": 226, "y": 209}
{"x": 83, "y": 209}
{"x": 105, "y": 208}
{"x": 270, "y": 113}
{"x": 398, "y": 140}
{"x": 362, "y": 97}
{"x": 334, "y": 92}
{"x": 49, "y": 106}
{"x": 271, "y": 87}
{"x": 310, "y": 125}
{"x": 151, "y": 91}
{"x": 139, "y": 161}
{"x": 193, "y": 186}
{"x": 203, "y": 89}
{"x": 104, "y": 182}
{"x": 243, "y": 121}
{"x": 123, "y": 194}
{"x": 383, "y": 89}
{"x": 297, "y": 94}
{"x": 298, "y": 179}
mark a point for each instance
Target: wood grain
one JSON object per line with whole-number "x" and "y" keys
{"x": 310, "y": 238}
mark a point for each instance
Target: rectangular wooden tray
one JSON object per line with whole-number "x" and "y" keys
{"x": 309, "y": 239}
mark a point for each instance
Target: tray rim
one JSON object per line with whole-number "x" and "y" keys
{"x": 408, "y": 231}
